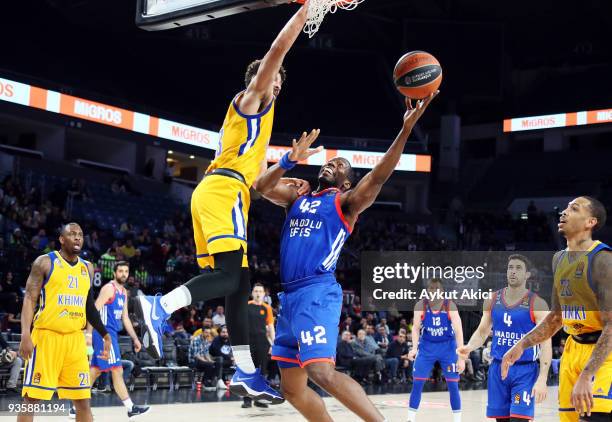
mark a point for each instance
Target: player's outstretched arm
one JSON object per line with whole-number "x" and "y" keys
{"x": 258, "y": 91}
{"x": 481, "y": 334}
{"x": 357, "y": 200}
{"x": 417, "y": 322}
{"x": 539, "y": 389}
{"x": 582, "y": 394}
{"x": 40, "y": 268}
{"x": 269, "y": 182}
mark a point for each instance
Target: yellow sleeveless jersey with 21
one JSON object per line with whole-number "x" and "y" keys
{"x": 63, "y": 296}
{"x": 243, "y": 140}
{"x": 575, "y": 290}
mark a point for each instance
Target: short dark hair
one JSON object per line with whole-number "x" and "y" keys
{"x": 253, "y": 68}
{"x": 350, "y": 174}
{"x": 258, "y": 284}
{"x": 64, "y": 228}
{"x": 598, "y": 211}
{"x": 120, "y": 264}
{"x": 522, "y": 258}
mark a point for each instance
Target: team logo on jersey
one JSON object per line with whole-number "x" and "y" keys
{"x": 36, "y": 378}
{"x": 599, "y": 390}
{"x": 565, "y": 290}
{"x": 58, "y": 263}
{"x": 120, "y": 302}
{"x": 579, "y": 269}
{"x": 63, "y": 313}
{"x": 517, "y": 398}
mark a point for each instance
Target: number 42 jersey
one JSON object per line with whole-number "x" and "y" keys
{"x": 313, "y": 235}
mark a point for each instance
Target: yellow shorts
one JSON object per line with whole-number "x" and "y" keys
{"x": 575, "y": 357}
{"x": 59, "y": 363}
{"x": 220, "y": 212}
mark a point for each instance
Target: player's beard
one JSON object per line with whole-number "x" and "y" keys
{"x": 121, "y": 282}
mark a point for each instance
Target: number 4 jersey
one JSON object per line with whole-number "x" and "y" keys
{"x": 511, "y": 323}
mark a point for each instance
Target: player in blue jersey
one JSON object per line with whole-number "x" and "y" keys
{"x": 436, "y": 332}
{"x": 112, "y": 305}
{"x": 316, "y": 227}
{"x": 512, "y": 312}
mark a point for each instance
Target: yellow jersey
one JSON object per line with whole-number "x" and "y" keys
{"x": 243, "y": 141}
{"x": 574, "y": 289}
{"x": 61, "y": 306}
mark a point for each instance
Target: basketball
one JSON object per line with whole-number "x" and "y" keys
{"x": 417, "y": 74}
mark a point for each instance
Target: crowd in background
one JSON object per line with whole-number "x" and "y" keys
{"x": 162, "y": 258}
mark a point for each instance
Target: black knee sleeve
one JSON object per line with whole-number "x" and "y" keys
{"x": 236, "y": 310}
{"x": 222, "y": 281}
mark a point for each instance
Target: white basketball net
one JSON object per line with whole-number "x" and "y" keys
{"x": 317, "y": 9}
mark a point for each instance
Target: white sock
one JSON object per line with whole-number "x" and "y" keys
{"x": 128, "y": 404}
{"x": 457, "y": 416}
{"x": 244, "y": 361}
{"x": 411, "y": 415}
{"x": 176, "y": 299}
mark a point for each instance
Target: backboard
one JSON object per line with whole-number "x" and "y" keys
{"x": 155, "y": 15}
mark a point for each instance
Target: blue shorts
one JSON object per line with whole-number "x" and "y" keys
{"x": 429, "y": 353}
{"x": 114, "y": 356}
{"x": 512, "y": 397}
{"x": 307, "y": 325}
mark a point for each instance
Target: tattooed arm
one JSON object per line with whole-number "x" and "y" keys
{"x": 582, "y": 393}
{"x": 40, "y": 268}
{"x": 602, "y": 276}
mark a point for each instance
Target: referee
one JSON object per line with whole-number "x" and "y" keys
{"x": 261, "y": 334}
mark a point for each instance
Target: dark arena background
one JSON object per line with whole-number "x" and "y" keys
{"x": 112, "y": 126}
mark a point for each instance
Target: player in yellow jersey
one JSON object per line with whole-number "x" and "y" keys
{"x": 220, "y": 206}
{"x": 582, "y": 305}
{"x": 55, "y": 352}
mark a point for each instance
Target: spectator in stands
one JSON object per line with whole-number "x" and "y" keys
{"x": 9, "y": 288}
{"x": 221, "y": 347}
{"x": 201, "y": 359}
{"x": 347, "y": 325}
{"x": 92, "y": 242}
{"x": 218, "y": 318}
{"x": 117, "y": 187}
{"x": 383, "y": 323}
{"x": 128, "y": 250}
{"x": 383, "y": 339}
{"x": 107, "y": 263}
{"x": 141, "y": 274}
{"x": 345, "y": 356}
{"x": 17, "y": 239}
{"x": 13, "y": 318}
{"x": 193, "y": 321}
{"x": 397, "y": 357}
{"x": 180, "y": 332}
{"x": 363, "y": 350}
{"x": 207, "y": 323}
{"x": 133, "y": 287}
{"x": 9, "y": 358}
{"x": 41, "y": 240}
{"x": 50, "y": 247}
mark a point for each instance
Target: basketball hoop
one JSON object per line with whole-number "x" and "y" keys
{"x": 318, "y": 9}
